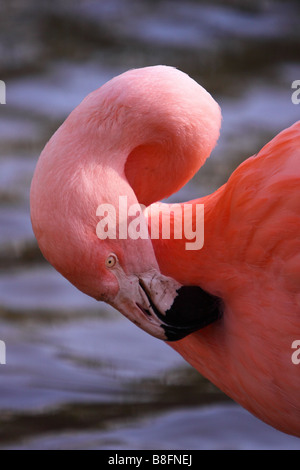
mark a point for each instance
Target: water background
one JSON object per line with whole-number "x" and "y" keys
{"x": 78, "y": 374}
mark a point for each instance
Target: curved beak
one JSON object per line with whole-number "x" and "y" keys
{"x": 163, "y": 307}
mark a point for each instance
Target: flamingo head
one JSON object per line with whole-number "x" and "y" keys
{"x": 156, "y": 303}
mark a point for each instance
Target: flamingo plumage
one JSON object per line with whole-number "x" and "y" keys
{"x": 231, "y": 308}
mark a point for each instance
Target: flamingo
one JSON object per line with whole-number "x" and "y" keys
{"x": 231, "y": 308}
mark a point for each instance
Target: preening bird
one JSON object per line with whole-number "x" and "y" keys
{"x": 232, "y": 307}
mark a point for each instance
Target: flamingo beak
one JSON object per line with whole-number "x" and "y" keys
{"x": 164, "y": 308}
{"x": 191, "y": 309}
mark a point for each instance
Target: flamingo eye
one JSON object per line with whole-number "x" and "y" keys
{"x": 111, "y": 261}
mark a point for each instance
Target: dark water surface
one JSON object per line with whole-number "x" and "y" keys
{"x": 78, "y": 374}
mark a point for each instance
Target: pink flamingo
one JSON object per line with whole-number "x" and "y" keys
{"x": 232, "y": 308}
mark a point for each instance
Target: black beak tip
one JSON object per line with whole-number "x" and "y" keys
{"x": 192, "y": 309}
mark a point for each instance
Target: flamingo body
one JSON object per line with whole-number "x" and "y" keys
{"x": 144, "y": 134}
{"x": 251, "y": 260}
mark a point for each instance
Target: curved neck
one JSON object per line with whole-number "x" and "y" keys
{"x": 142, "y": 135}
{"x": 155, "y": 127}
